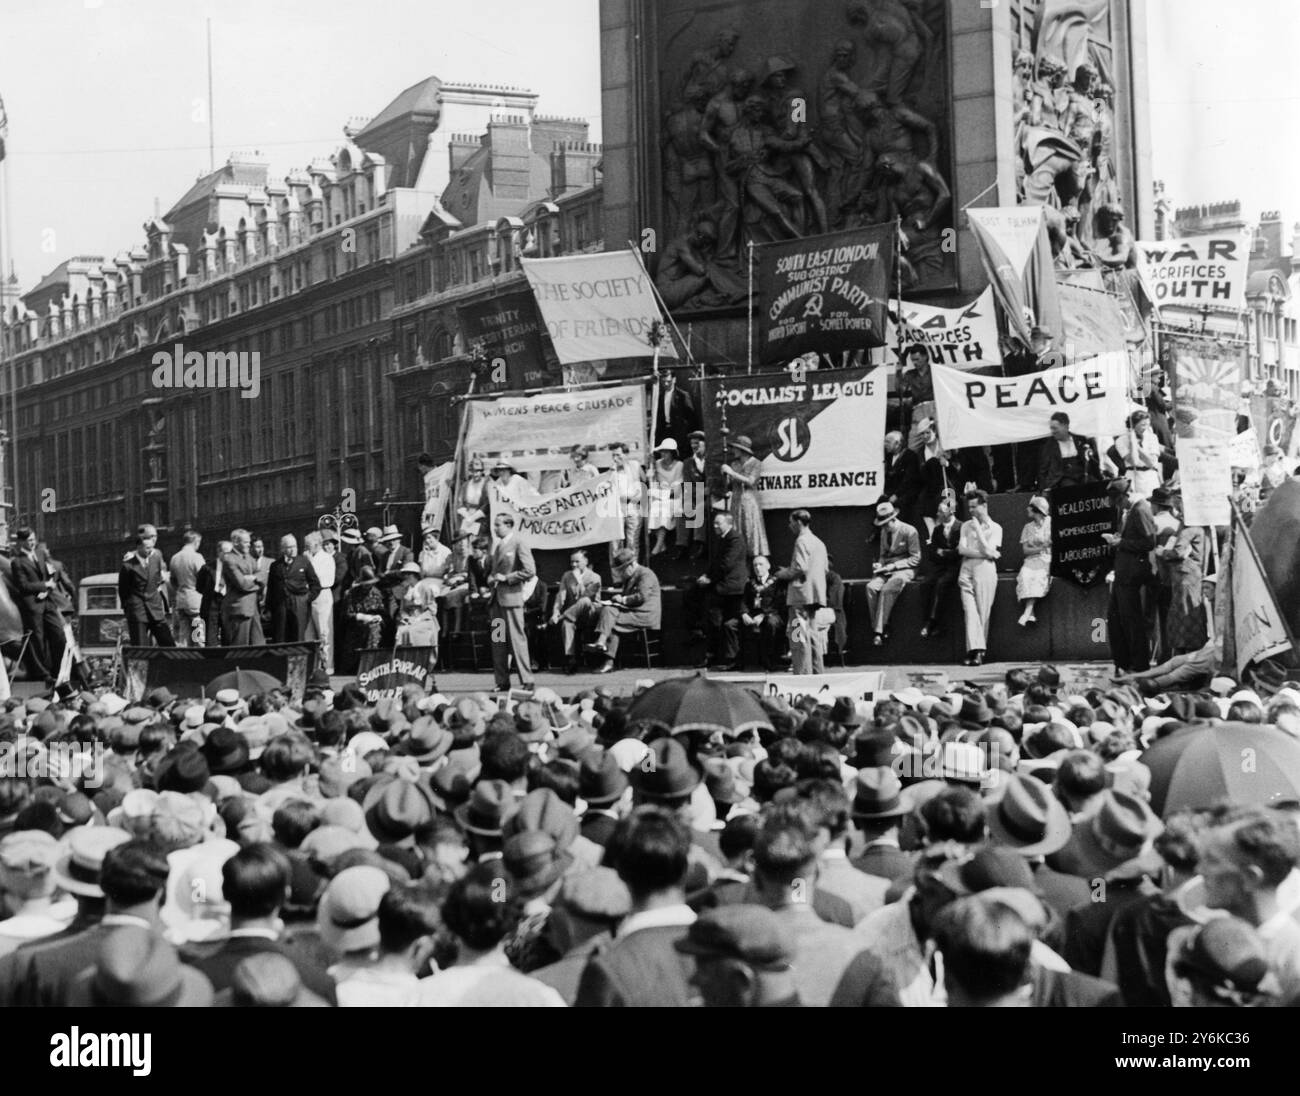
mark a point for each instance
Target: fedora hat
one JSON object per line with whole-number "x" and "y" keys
{"x": 427, "y": 741}
{"x": 543, "y": 810}
{"x": 743, "y": 443}
{"x": 874, "y": 748}
{"x": 665, "y": 772}
{"x": 878, "y": 793}
{"x": 1115, "y": 834}
{"x": 137, "y": 968}
{"x": 390, "y": 533}
{"x": 226, "y": 751}
{"x": 962, "y": 763}
{"x": 601, "y": 781}
{"x": 975, "y": 711}
{"x": 490, "y": 805}
{"x": 534, "y": 860}
{"x": 845, "y": 713}
{"x": 885, "y": 513}
{"x": 351, "y": 537}
{"x": 1027, "y": 817}
{"x": 267, "y": 980}
{"x": 348, "y": 914}
{"x": 399, "y": 809}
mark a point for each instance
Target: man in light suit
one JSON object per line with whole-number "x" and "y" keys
{"x": 512, "y": 567}
{"x": 638, "y": 606}
{"x": 241, "y": 618}
{"x": 140, "y": 589}
{"x": 895, "y": 566}
{"x": 805, "y": 594}
{"x": 576, "y": 604}
{"x": 187, "y": 601}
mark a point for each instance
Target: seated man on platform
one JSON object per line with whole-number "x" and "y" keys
{"x": 638, "y": 606}
{"x": 577, "y": 605}
{"x": 898, "y": 554}
{"x": 1193, "y": 670}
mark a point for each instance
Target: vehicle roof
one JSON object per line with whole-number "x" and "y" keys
{"x": 108, "y": 578}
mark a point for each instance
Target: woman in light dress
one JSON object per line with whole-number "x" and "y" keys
{"x": 980, "y": 547}
{"x": 320, "y": 625}
{"x": 1035, "y": 577}
{"x": 745, "y": 510}
{"x": 665, "y": 495}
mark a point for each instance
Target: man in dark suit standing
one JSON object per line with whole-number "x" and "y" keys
{"x": 240, "y": 617}
{"x": 675, "y": 413}
{"x": 211, "y": 585}
{"x": 638, "y": 606}
{"x": 139, "y": 586}
{"x": 902, "y": 478}
{"x": 724, "y": 583}
{"x": 643, "y": 967}
{"x": 35, "y": 584}
{"x": 1126, "y": 624}
{"x": 291, "y": 587}
{"x": 940, "y": 580}
{"x": 512, "y": 567}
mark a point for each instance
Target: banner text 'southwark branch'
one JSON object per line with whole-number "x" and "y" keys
{"x": 179, "y": 368}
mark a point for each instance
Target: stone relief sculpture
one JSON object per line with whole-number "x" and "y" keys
{"x": 772, "y": 145}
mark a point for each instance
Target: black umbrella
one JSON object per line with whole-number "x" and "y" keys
{"x": 1247, "y": 763}
{"x": 244, "y": 682}
{"x": 698, "y": 703}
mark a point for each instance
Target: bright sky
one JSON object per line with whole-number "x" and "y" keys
{"x": 107, "y": 98}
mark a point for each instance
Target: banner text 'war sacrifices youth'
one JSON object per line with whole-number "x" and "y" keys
{"x": 824, "y": 293}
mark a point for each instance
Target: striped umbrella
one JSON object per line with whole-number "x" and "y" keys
{"x": 1247, "y": 763}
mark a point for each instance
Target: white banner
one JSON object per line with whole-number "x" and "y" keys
{"x": 1205, "y": 476}
{"x": 1244, "y": 450}
{"x": 535, "y": 433}
{"x": 1197, "y": 270}
{"x": 976, "y": 410}
{"x": 1258, "y": 625}
{"x": 587, "y": 513}
{"x": 963, "y": 337}
{"x": 596, "y": 306}
{"x": 437, "y": 491}
{"x": 825, "y": 687}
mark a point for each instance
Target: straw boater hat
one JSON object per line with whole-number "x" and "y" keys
{"x": 391, "y": 533}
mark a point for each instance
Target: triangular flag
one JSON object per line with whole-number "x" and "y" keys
{"x": 1017, "y": 259}
{"x": 71, "y": 654}
{"x": 1257, "y": 622}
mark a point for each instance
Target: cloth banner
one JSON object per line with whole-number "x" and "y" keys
{"x": 1081, "y": 516}
{"x": 1205, "y": 473}
{"x": 976, "y": 410}
{"x": 1257, "y": 624}
{"x": 586, "y": 513}
{"x": 1017, "y": 259}
{"x": 824, "y": 687}
{"x": 819, "y": 442}
{"x": 596, "y": 306}
{"x": 188, "y": 671}
{"x": 438, "y": 483}
{"x": 965, "y": 337}
{"x": 1205, "y": 377}
{"x": 508, "y": 331}
{"x": 824, "y": 293}
{"x": 383, "y": 671}
{"x": 1243, "y": 450}
{"x": 1094, "y": 322}
{"x": 1197, "y": 270}
{"x": 535, "y": 433}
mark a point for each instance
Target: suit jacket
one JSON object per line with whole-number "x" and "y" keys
{"x": 1051, "y": 467}
{"x": 899, "y": 547}
{"x": 642, "y": 969}
{"x": 397, "y": 555}
{"x": 139, "y": 585}
{"x": 38, "y": 974}
{"x": 564, "y": 975}
{"x": 945, "y": 542}
{"x": 239, "y": 572}
{"x": 184, "y": 569}
{"x": 297, "y": 578}
{"x": 1138, "y": 538}
{"x": 684, "y": 420}
{"x": 885, "y": 861}
{"x": 1070, "y": 989}
{"x": 218, "y": 959}
{"x": 29, "y": 577}
{"x": 643, "y": 605}
{"x": 903, "y": 477}
{"x": 729, "y": 567}
{"x": 571, "y": 591}
{"x": 598, "y": 828}
{"x": 807, "y": 571}
{"x": 512, "y": 559}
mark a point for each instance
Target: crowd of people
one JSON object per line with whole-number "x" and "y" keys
{"x": 981, "y": 847}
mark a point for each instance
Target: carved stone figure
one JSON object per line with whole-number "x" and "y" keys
{"x": 896, "y": 39}
{"x": 688, "y": 163}
{"x": 689, "y": 272}
{"x": 788, "y": 113}
{"x": 710, "y": 68}
{"x": 916, "y": 193}
{"x": 721, "y": 116}
{"x": 1115, "y": 248}
{"x": 759, "y": 169}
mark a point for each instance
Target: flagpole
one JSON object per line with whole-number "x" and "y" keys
{"x": 1263, "y": 575}
{"x": 898, "y": 327}
{"x": 658, "y": 297}
{"x": 749, "y": 311}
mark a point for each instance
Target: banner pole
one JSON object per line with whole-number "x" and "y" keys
{"x": 749, "y": 311}
{"x": 898, "y": 327}
{"x": 658, "y": 297}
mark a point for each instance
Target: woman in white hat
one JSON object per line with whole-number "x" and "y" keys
{"x": 665, "y": 494}
{"x": 1035, "y": 577}
{"x": 417, "y": 623}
